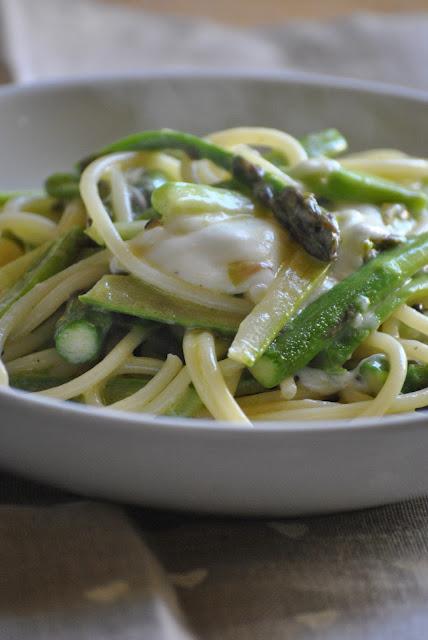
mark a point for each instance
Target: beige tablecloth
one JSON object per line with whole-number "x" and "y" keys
{"x": 78, "y": 569}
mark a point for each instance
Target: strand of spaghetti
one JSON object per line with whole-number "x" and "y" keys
{"x": 374, "y": 154}
{"x": 138, "y": 267}
{"x": 120, "y": 196}
{"x": 262, "y": 136}
{"x": 170, "y": 394}
{"x": 29, "y": 227}
{"x": 141, "y": 366}
{"x": 231, "y": 372}
{"x": 201, "y": 361}
{"x": 412, "y": 318}
{"x": 34, "y": 341}
{"x": 93, "y": 396}
{"x": 113, "y": 360}
{"x": 396, "y": 376}
{"x": 10, "y": 273}
{"x": 390, "y": 326}
{"x": 201, "y": 171}
{"x": 153, "y": 388}
{"x": 415, "y": 350}
{"x": 74, "y": 216}
{"x": 37, "y": 361}
{"x": 256, "y": 158}
{"x": 391, "y": 168}
{"x": 350, "y": 394}
{"x": 57, "y": 296}
{"x": 160, "y": 161}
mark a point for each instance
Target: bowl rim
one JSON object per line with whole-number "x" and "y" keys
{"x": 106, "y": 418}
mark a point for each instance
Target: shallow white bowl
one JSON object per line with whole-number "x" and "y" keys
{"x": 272, "y": 468}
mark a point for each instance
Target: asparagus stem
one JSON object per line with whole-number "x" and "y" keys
{"x": 178, "y": 198}
{"x": 60, "y": 255}
{"x": 358, "y": 329}
{"x": 330, "y": 180}
{"x": 329, "y": 143}
{"x": 64, "y": 186}
{"x": 293, "y": 283}
{"x": 317, "y": 326}
{"x": 80, "y": 333}
{"x": 373, "y": 372}
{"x": 128, "y": 295}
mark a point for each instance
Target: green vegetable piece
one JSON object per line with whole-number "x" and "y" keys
{"x": 317, "y": 326}
{"x": 64, "y": 186}
{"x": 80, "y": 332}
{"x": 36, "y": 381}
{"x": 178, "y": 198}
{"x": 329, "y": 143}
{"x": 126, "y": 294}
{"x": 330, "y": 180}
{"x": 373, "y": 372}
{"x": 187, "y": 406}
{"x": 358, "y": 328}
{"x": 61, "y": 254}
{"x": 317, "y": 233}
{"x": 120, "y": 387}
{"x": 293, "y": 283}
{"x": 416, "y": 378}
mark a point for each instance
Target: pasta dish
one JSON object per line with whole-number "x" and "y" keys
{"x": 246, "y": 275}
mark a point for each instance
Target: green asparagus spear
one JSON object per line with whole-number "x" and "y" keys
{"x": 120, "y": 387}
{"x": 81, "y": 331}
{"x": 313, "y": 227}
{"x": 364, "y": 321}
{"x": 64, "y": 186}
{"x": 60, "y": 255}
{"x": 373, "y": 371}
{"x": 317, "y": 326}
{"x": 126, "y": 294}
{"x": 330, "y": 180}
{"x": 36, "y": 381}
{"x": 178, "y": 198}
{"x": 329, "y": 143}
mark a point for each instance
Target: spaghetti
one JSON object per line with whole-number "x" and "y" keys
{"x": 243, "y": 276}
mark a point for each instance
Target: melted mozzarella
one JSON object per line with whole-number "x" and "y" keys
{"x": 201, "y": 249}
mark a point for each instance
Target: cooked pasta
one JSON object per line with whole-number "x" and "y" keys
{"x": 245, "y": 276}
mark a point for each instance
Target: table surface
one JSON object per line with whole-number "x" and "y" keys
{"x": 254, "y": 12}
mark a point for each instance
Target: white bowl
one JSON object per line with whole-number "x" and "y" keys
{"x": 272, "y": 468}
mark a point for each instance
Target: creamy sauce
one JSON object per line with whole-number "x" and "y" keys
{"x": 208, "y": 250}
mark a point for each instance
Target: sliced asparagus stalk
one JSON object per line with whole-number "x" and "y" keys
{"x": 64, "y": 186}
{"x": 373, "y": 372}
{"x": 329, "y": 143}
{"x": 126, "y": 294}
{"x": 178, "y": 198}
{"x": 293, "y": 283}
{"x": 81, "y": 331}
{"x": 331, "y": 180}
